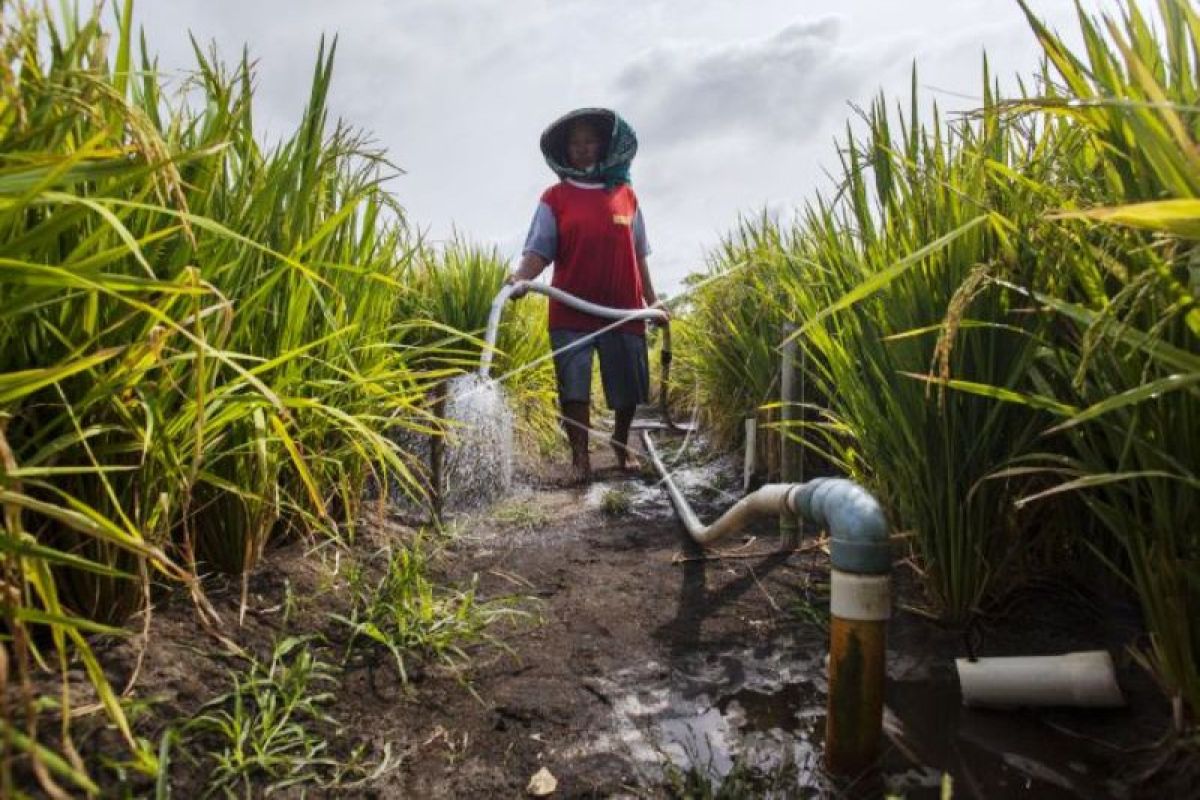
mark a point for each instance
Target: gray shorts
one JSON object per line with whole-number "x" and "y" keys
{"x": 624, "y": 366}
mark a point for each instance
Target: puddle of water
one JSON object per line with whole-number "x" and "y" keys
{"x": 758, "y": 715}
{"x": 990, "y": 753}
{"x": 709, "y": 487}
{"x": 758, "y": 710}
{"x": 755, "y": 712}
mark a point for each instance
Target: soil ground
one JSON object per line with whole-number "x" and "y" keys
{"x": 645, "y": 669}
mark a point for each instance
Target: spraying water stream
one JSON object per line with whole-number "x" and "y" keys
{"x": 479, "y": 451}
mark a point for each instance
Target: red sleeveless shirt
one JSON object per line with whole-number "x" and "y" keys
{"x": 596, "y": 259}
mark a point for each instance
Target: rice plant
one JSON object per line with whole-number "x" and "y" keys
{"x": 998, "y": 316}
{"x": 201, "y": 342}
{"x": 883, "y": 282}
{"x": 1127, "y": 370}
{"x": 1118, "y": 369}
{"x": 726, "y": 340}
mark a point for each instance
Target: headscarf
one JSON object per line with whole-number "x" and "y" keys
{"x": 612, "y": 168}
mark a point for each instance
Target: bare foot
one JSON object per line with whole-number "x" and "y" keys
{"x": 581, "y": 473}
{"x": 627, "y": 460}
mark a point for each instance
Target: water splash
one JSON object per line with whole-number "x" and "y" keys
{"x": 478, "y": 465}
{"x": 477, "y": 461}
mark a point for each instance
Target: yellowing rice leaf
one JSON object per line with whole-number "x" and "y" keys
{"x": 1180, "y": 217}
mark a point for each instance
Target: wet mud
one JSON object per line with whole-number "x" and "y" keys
{"x": 659, "y": 672}
{"x": 652, "y": 669}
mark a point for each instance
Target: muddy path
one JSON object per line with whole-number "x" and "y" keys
{"x": 644, "y": 668}
{"x": 659, "y": 670}
{"x": 640, "y": 638}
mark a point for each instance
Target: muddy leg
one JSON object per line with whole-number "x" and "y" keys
{"x": 576, "y": 422}
{"x": 626, "y": 459}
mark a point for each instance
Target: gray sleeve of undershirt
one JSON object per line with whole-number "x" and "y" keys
{"x": 543, "y": 234}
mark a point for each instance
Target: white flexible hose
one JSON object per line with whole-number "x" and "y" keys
{"x": 765, "y": 501}
{"x": 604, "y": 312}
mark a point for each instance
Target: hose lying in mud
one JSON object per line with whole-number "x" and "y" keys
{"x": 655, "y": 315}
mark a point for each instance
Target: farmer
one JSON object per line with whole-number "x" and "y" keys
{"x": 590, "y": 227}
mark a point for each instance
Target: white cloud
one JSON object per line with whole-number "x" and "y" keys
{"x": 779, "y": 87}
{"x": 736, "y": 105}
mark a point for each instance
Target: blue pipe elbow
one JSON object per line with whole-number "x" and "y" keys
{"x": 858, "y": 529}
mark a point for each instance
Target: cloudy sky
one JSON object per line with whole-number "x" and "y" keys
{"x": 736, "y": 111}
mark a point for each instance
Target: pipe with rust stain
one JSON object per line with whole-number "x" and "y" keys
{"x": 860, "y": 598}
{"x": 859, "y": 607}
{"x": 857, "y": 670}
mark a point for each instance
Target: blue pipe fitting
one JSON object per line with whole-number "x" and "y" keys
{"x": 858, "y": 529}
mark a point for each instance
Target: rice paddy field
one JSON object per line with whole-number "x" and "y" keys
{"x": 224, "y": 363}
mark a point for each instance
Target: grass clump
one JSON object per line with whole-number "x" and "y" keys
{"x": 742, "y": 781}
{"x": 526, "y": 515}
{"x": 811, "y": 611}
{"x": 272, "y": 729}
{"x": 406, "y": 614}
{"x": 616, "y": 502}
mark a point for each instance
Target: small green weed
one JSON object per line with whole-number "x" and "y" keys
{"x": 289, "y": 601}
{"x": 741, "y": 782}
{"x": 813, "y": 613}
{"x": 406, "y": 613}
{"x": 616, "y": 502}
{"x": 525, "y": 514}
{"x": 812, "y": 605}
{"x": 271, "y": 728}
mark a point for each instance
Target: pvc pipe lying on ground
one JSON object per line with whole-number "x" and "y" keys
{"x": 769, "y": 499}
{"x": 1085, "y": 679}
{"x": 858, "y": 529}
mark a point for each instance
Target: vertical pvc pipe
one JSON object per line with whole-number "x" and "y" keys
{"x": 859, "y": 604}
{"x": 770, "y": 445}
{"x": 857, "y": 669}
{"x": 789, "y": 460}
{"x": 750, "y": 463}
